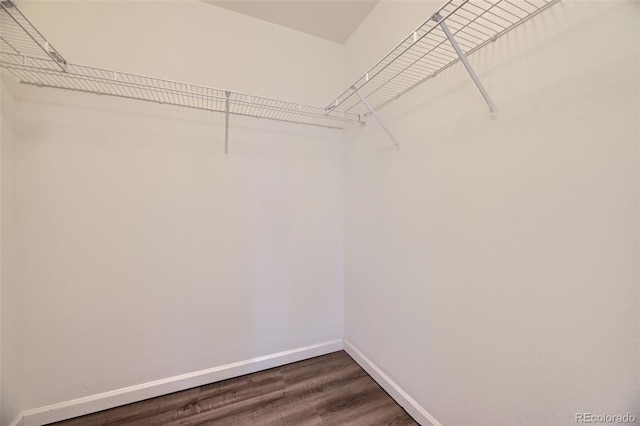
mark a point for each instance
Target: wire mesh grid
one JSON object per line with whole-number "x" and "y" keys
{"x": 28, "y": 55}
{"x": 40, "y": 72}
{"x": 19, "y": 36}
{"x": 426, "y": 51}
{"x": 420, "y": 56}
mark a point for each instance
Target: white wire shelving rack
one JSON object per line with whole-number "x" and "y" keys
{"x": 425, "y": 52}
{"x": 26, "y": 53}
{"x": 454, "y": 31}
{"x": 45, "y": 73}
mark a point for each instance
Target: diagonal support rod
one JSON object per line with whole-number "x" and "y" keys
{"x": 377, "y": 117}
{"x": 438, "y": 18}
{"x": 226, "y": 125}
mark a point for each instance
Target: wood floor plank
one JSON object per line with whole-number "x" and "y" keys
{"x": 327, "y": 390}
{"x": 227, "y": 399}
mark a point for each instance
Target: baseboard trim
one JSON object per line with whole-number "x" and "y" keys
{"x": 115, "y": 398}
{"x": 414, "y": 409}
{"x": 18, "y": 421}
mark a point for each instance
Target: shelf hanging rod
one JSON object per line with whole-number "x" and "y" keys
{"x": 463, "y": 58}
{"x": 377, "y": 117}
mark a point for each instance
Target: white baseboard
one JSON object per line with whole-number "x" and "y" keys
{"x": 410, "y": 405}
{"x": 115, "y": 398}
{"x": 18, "y": 421}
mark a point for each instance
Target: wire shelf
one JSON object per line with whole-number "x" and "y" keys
{"x": 19, "y": 36}
{"x": 28, "y": 55}
{"x": 42, "y": 73}
{"x": 426, "y": 51}
{"x": 422, "y": 55}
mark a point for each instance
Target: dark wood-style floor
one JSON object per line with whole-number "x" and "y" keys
{"x": 328, "y": 390}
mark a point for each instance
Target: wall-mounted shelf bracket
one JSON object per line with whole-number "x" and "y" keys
{"x": 226, "y": 124}
{"x": 463, "y": 58}
{"x": 377, "y": 117}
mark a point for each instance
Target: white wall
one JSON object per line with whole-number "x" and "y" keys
{"x": 492, "y": 266}
{"x": 143, "y": 253}
{"x": 9, "y": 302}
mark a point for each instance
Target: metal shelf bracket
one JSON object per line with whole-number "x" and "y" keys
{"x": 463, "y": 58}
{"x": 377, "y": 117}
{"x": 226, "y": 124}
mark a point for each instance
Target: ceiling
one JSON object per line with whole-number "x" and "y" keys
{"x": 333, "y": 20}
